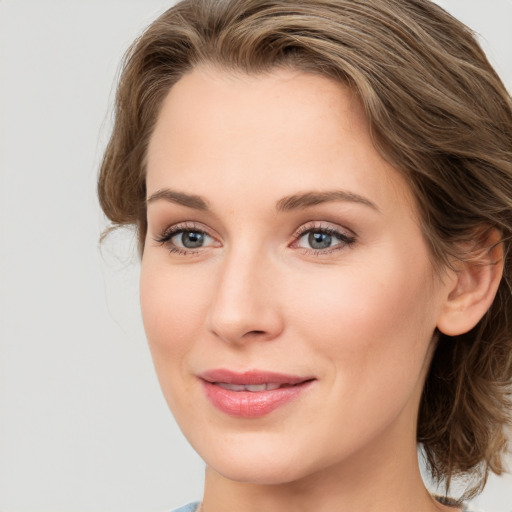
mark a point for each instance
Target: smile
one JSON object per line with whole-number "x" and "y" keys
{"x": 251, "y": 387}
{"x": 251, "y": 394}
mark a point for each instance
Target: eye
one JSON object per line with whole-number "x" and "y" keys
{"x": 185, "y": 240}
{"x": 320, "y": 239}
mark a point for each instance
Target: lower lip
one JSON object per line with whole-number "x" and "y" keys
{"x": 252, "y": 404}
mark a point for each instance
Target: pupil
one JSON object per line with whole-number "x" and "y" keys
{"x": 319, "y": 240}
{"x": 191, "y": 239}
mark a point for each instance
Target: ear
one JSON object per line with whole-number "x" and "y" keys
{"x": 475, "y": 283}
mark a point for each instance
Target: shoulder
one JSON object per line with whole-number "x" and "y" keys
{"x": 191, "y": 507}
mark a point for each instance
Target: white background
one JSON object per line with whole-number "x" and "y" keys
{"x": 83, "y": 425}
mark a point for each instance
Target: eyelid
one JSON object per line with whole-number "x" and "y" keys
{"x": 326, "y": 227}
{"x": 323, "y": 226}
{"x": 172, "y": 229}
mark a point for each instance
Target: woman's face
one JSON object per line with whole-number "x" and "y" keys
{"x": 287, "y": 292}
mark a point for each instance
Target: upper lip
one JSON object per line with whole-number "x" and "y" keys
{"x": 251, "y": 377}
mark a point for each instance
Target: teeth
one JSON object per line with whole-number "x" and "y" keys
{"x": 248, "y": 387}
{"x": 256, "y": 387}
{"x": 231, "y": 387}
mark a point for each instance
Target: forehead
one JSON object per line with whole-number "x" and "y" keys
{"x": 286, "y": 128}
{"x": 209, "y": 104}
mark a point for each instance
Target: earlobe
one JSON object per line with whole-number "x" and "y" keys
{"x": 476, "y": 282}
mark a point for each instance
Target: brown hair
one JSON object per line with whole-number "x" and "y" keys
{"x": 438, "y": 112}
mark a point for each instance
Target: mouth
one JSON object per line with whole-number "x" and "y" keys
{"x": 252, "y": 394}
{"x": 253, "y": 388}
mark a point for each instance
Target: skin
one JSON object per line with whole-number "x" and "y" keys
{"x": 357, "y": 316}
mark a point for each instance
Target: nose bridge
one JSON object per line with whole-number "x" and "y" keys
{"x": 244, "y": 305}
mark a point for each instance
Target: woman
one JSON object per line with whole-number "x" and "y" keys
{"x": 322, "y": 191}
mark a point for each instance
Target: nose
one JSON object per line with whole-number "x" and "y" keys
{"x": 245, "y": 304}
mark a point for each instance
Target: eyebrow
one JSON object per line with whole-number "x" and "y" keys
{"x": 172, "y": 196}
{"x": 289, "y": 203}
{"x": 307, "y": 199}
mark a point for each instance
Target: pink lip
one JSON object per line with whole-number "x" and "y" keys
{"x": 251, "y": 404}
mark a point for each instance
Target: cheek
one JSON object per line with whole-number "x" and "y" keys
{"x": 172, "y": 312}
{"x": 378, "y": 319}
{"x": 370, "y": 334}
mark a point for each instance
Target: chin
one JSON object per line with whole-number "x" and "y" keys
{"x": 253, "y": 461}
{"x": 263, "y": 472}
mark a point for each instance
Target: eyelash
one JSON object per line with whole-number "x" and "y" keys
{"x": 345, "y": 240}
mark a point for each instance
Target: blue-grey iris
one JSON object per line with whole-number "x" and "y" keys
{"x": 319, "y": 240}
{"x": 192, "y": 239}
